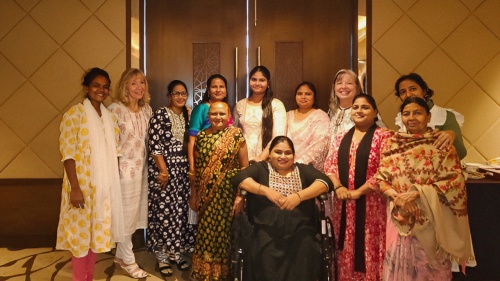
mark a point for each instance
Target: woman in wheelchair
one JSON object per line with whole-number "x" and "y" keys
{"x": 285, "y": 243}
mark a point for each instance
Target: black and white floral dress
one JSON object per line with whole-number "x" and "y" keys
{"x": 168, "y": 228}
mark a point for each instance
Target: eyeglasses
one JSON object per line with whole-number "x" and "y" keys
{"x": 183, "y": 94}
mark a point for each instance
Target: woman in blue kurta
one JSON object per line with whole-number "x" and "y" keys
{"x": 216, "y": 91}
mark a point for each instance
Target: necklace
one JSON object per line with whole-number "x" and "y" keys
{"x": 340, "y": 116}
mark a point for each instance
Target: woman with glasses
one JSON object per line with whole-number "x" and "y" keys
{"x": 169, "y": 234}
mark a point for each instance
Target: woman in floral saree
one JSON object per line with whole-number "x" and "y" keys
{"x": 428, "y": 225}
{"x": 220, "y": 153}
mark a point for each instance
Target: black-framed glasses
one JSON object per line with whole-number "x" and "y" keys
{"x": 183, "y": 94}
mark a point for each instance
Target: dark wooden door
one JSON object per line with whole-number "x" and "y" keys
{"x": 298, "y": 40}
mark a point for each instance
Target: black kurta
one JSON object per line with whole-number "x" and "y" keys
{"x": 285, "y": 244}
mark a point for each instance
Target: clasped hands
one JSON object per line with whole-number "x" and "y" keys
{"x": 406, "y": 202}
{"x": 283, "y": 202}
{"x": 343, "y": 193}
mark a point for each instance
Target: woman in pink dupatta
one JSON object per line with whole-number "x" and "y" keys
{"x": 308, "y": 127}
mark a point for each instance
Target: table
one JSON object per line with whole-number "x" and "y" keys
{"x": 484, "y": 220}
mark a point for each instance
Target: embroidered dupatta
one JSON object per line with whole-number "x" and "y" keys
{"x": 412, "y": 162}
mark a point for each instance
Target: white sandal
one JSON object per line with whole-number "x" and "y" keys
{"x": 134, "y": 270}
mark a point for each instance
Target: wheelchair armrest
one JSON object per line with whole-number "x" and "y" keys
{"x": 323, "y": 197}
{"x": 243, "y": 193}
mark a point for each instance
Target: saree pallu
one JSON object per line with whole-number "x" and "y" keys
{"x": 217, "y": 163}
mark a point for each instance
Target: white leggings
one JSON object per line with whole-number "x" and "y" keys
{"x": 124, "y": 250}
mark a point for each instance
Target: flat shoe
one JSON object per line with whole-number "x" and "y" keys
{"x": 165, "y": 269}
{"x": 182, "y": 264}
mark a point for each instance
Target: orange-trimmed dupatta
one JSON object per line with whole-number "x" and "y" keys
{"x": 221, "y": 150}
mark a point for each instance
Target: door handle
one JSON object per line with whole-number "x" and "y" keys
{"x": 236, "y": 75}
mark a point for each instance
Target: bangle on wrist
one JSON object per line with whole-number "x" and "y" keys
{"x": 335, "y": 188}
{"x": 163, "y": 174}
{"x": 300, "y": 198}
{"x": 190, "y": 174}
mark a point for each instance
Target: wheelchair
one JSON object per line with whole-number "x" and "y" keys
{"x": 242, "y": 230}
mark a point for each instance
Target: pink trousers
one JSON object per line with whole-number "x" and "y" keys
{"x": 83, "y": 268}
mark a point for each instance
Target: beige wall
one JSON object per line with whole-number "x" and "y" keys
{"x": 46, "y": 45}
{"x": 455, "y": 46}
{"x": 45, "y": 48}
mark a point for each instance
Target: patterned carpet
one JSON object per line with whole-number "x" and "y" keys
{"x": 40, "y": 264}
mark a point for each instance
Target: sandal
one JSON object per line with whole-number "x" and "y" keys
{"x": 134, "y": 270}
{"x": 165, "y": 269}
{"x": 182, "y": 264}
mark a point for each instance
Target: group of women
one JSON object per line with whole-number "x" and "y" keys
{"x": 399, "y": 206}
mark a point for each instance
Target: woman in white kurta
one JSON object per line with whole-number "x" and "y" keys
{"x": 91, "y": 218}
{"x": 307, "y": 126}
{"x": 260, "y": 116}
{"x": 133, "y": 113}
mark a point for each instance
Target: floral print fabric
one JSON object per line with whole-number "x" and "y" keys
{"x": 422, "y": 249}
{"x": 375, "y": 221}
{"x": 133, "y": 174}
{"x": 168, "y": 228}
{"x": 310, "y": 136}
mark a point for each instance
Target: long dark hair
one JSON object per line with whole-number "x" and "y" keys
{"x": 267, "y": 108}
{"x": 206, "y": 95}
{"x": 185, "y": 114}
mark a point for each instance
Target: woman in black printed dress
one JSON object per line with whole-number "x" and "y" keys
{"x": 169, "y": 234}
